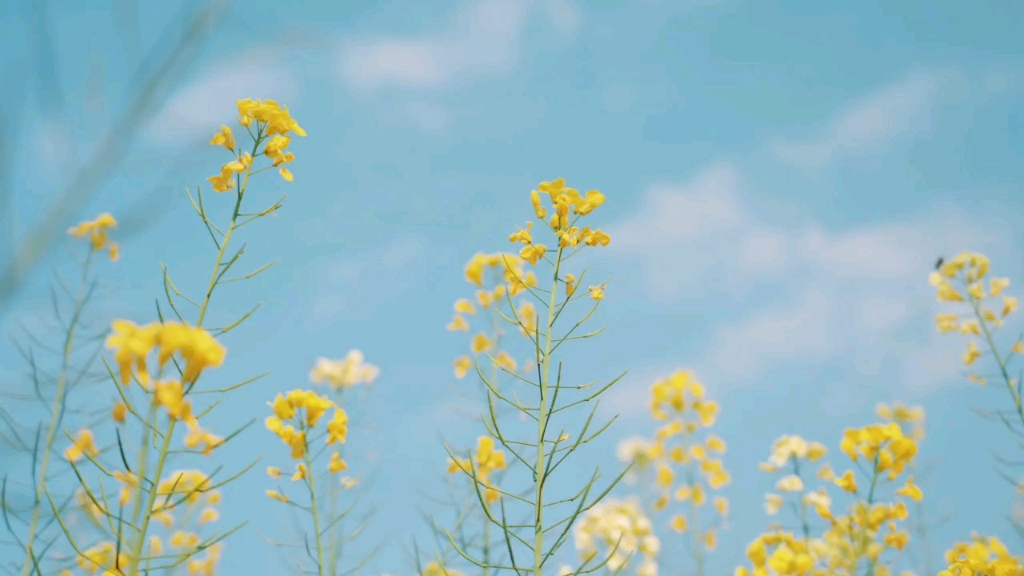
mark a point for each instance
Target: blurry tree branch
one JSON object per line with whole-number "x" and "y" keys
{"x": 163, "y": 68}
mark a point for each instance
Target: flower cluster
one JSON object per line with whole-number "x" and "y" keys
{"x": 781, "y": 553}
{"x": 132, "y": 345}
{"x": 685, "y": 458}
{"x": 679, "y": 392}
{"x": 641, "y": 453}
{"x": 568, "y": 206}
{"x": 103, "y": 556}
{"x": 198, "y": 351}
{"x": 885, "y": 444}
{"x": 296, "y": 414}
{"x": 851, "y": 541}
{"x": 484, "y": 462}
{"x": 96, "y": 230}
{"x": 622, "y": 529}
{"x": 962, "y": 280}
{"x": 907, "y": 417}
{"x": 498, "y": 277}
{"x": 273, "y": 125}
{"x": 981, "y": 557}
{"x": 185, "y": 500}
{"x": 346, "y": 373}
{"x": 791, "y": 454}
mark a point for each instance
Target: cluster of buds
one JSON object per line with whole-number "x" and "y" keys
{"x": 273, "y": 124}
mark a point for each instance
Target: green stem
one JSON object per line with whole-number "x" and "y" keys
{"x": 315, "y": 508}
{"x": 56, "y": 415}
{"x": 147, "y": 512}
{"x": 805, "y": 526}
{"x": 542, "y": 421}
{"x": 864, "y": 528}
{"x": 976, "y": 305}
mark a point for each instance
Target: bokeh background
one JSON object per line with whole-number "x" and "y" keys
{"x": 780, "y": 180}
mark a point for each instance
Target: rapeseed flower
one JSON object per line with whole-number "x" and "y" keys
{"x": 96, "y": 230}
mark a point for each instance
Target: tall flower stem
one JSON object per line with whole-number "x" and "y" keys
{"x": 56, "y": 416}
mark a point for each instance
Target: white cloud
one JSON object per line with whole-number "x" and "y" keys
{"x": 894, "y": 112}
{"x": 485, "y": 38}
{"x": 845, "y": 295}
{"x": 341, "y": 285}
{"x": 802, "y": 331}
{"x": 195, "y": 111}
{"x": 706, "y": 206}
{"x": 698, "y": 215}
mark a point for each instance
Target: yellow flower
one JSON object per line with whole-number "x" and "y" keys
{"x": 772, "y": 504}
{"x": 596, "y": 292}
{"x": 847, "y": 482}
{"x": 596, "y": 237}
{"x": 84, "y": 444}
{"x": 458, "y": 324}
{"x": 480, "y": 343}
{"x": 224, "y": 138}
{"x": 119, "y": 412}
{"x": 475, "y": 269}
{"x": 679, "y": 523}
{"x": 277, "y": 496}
{"x": 274, "y": 472}
{"x": 665, "y": 476}
{"x": 541, "y": 212}
{"x": 316, "y": 405}
{"x": 946, "y": 322}
{"x": 570, "y": 284}
{"x": 132, "y": 343}
{"x": 300, "y": 472}
{"x": 970, "y": 327}
{"x": 464, "y": 306}
{"x": 1010, "y": 305}
{"x": 337, "y": 428}
{"x": 97, "y": 231}
{"x": 209, "y": 515}
{"x": 997, "y": 285}
{"x": 462, "y": 365}
{"x": 347, "y": 482}
{"x": 196, "y": 436}
{"x": 171, "y": 395}
{"x": 911, "y": 490}
{"x": 710, "y": 539}
{"x": 345, "y": 373}
{"x": 527, "y": 314}
{"x": 715, "y": 444}
{"x": 505, "y": 361}
{"x": 522, "y": 235}
{"x": 972, "y": 353}
{"x": 336, "y": 464}
{"x": 699, "y": 496}
{"x": 721, "y": 505}
{"x": 533, "y": 252}
{"x": 198, "y": 347}
{"x": 791, "y": 483}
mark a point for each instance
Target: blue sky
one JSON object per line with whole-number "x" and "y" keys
{"x": 779, "y": 183}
